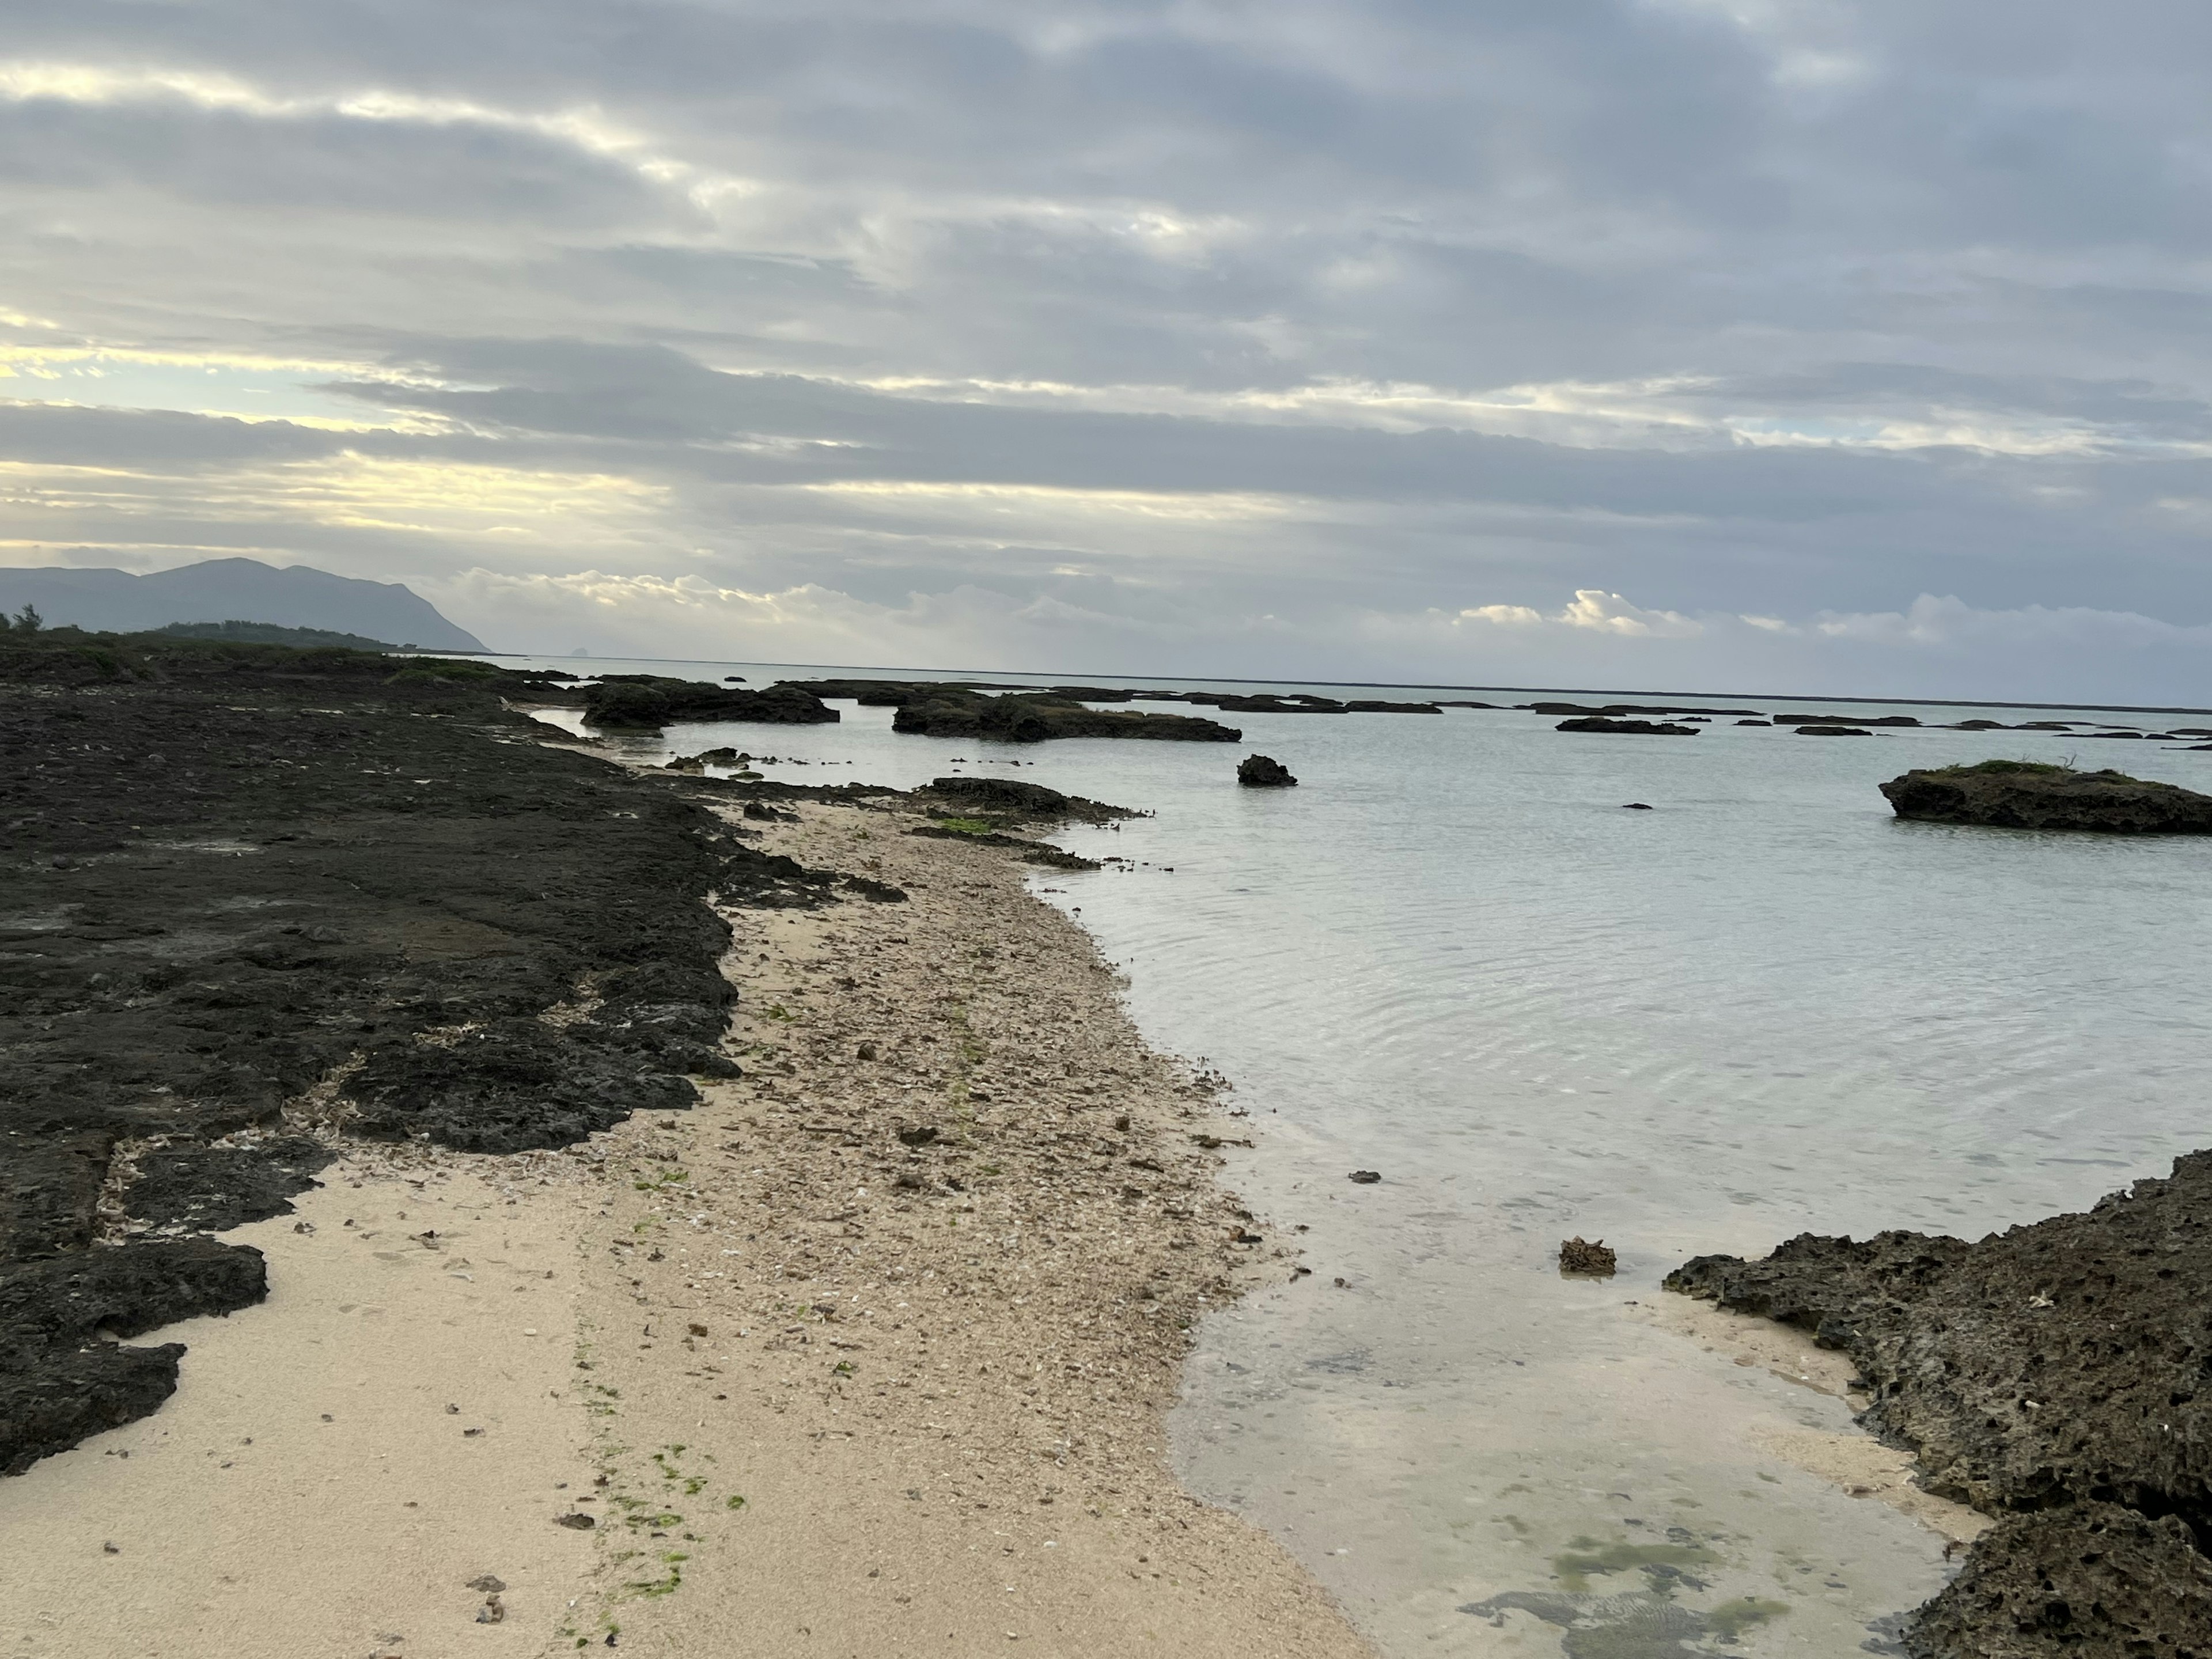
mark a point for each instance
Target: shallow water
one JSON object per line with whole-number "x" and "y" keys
{"x": 1762, "y": 1008}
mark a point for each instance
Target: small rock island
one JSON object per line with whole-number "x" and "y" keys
{"x": 2034, "y": 795}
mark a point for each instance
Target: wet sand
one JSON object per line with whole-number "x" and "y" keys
{"x": 821, "y": 1390}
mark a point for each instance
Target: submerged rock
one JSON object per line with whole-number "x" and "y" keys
{"x": 2030, "y": 795}
{"x": 1644, "y": 728}
{"x": 1264, "y": 772}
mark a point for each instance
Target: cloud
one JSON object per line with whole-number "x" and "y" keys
{"x": 1153, "y": 331}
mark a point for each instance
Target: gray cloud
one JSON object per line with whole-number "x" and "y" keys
{"x": 1295, "y": 317}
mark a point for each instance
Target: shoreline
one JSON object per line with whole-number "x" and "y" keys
{"x": 971, "y": 1453}
{"x": 936, "y": 1363}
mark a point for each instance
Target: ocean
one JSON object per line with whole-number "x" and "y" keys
{"x": 1765, "y": 1006}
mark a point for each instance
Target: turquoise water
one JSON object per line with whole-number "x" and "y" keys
{"x": 1764, "y": 1007}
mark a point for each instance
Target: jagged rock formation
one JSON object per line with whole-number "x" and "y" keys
{"x": 2058, "y": 1376}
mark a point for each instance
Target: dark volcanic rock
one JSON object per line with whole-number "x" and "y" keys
{"x": 59, "y": 1380}
{"x": 1373, "y": 705}
{"x": 645, "y": 701}
{"x": 231, "y": 868}
{"x": 507, "y": 1087}
{"x": 1645, "y": 728}
{"x": 1264, "y": 772}
{"x": 2054, "y": 1375}
{"x": 1620, "y": 708}
{"x": 1270, "y": 705}
{"x": 941, "y": 711}
{"x": 2096, "y": 1580}
{"x": 211, "y": 1189}
{"x": 1824, "y": 730}
{"x": 1007, "y": 795}
{"x": 1004, "y": 801}
{"x": 2027, "y": 795}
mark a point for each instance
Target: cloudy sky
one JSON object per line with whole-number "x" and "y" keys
{"x": 1846, "y": 345}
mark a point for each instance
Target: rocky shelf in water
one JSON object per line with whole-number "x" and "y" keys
{"x": 2030, "y": 795}
{"x": 944, "y": 708}
{"x": 2058, "y": 1377}
{"x": 1634, "y": 728}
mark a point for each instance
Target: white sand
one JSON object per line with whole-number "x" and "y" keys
{"x": 942, "y": 1406}
{"x": 308, "y": 1491}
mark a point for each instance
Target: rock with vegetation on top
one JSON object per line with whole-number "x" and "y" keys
{"x": 1264, "y": 772}
{"x": 2033, "y": 795}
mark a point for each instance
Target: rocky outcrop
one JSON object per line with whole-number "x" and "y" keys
{"x": 1264, "y": 772}
{"x": 1616, "y": 710}
{"x": 644, "y": 701}
{"x": 256, "y": 867}
{"x": 1642, "y": 728}
{"x": 941, "y": 711}
{"x": 2056, "y": 1376}
{"x": 2029, "y": 795}
{"x": 66, "y": 1369}
{"x": 1008, "y": 801}
{"x": 1007, "y": 797}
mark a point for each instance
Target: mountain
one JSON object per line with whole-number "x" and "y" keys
{"x": 222, "y": 589}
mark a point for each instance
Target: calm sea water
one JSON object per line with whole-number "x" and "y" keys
{"x": 1764, "y": 1007}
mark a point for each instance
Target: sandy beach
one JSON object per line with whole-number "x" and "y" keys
{"x": 869, "y": 1353}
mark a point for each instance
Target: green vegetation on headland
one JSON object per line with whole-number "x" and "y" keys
{"x": 257, "y": 633}
{"x": 30, "y": 651}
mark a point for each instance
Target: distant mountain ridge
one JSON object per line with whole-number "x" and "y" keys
{"x": 290, "y": 596}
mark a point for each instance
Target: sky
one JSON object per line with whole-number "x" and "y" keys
{"x": 1832, "y": 346}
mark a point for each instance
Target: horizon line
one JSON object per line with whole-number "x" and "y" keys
{"x": 1387, "y": 685}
